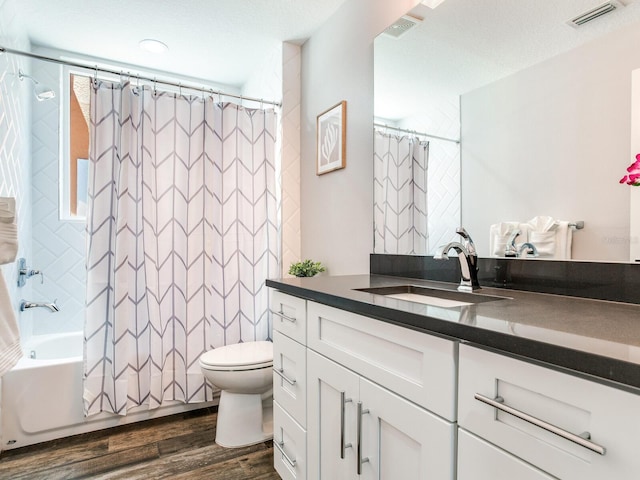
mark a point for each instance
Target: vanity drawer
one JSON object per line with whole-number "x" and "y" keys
{"x": 540, "y": 399}
{"x": 414, "y": 365}
{"x": 290, "y": 376}
{"x": 289, "y": 315}
{"x": 290, "y": 446}
{"x": 479, "y": 460}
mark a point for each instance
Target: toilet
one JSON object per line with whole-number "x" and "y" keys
{"x": 243, "y": 372}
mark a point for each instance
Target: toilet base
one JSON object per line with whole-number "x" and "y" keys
{"x": 244, "y": 419}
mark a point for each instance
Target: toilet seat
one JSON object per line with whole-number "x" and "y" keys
{"x": 240, "y": 356}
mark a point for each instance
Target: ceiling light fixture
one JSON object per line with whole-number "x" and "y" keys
{"x": 153, "y": 46}
{"x": 432, "y": 3}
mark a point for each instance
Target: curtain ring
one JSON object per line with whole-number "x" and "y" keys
{"x": 180, "y": 88}
{"x": 261, "y": 104}
{"x": 155, "y": 91}
{"x": 219, "y": 97}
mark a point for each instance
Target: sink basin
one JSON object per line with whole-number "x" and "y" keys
{"x": 431, "y": 296}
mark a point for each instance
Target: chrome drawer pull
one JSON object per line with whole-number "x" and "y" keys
{"x": 343, "y": 446}
{"x": 280, "y": 372}
{"x": 283, "y": 316}
{"x": 579, "y": 439}
{"x": 279, "y": 446}
{"x": 359, "y": 459}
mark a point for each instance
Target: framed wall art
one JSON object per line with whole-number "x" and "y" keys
{"x": 331, "y": 138}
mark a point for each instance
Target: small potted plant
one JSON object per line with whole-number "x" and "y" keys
{"x": 306, "y": 268}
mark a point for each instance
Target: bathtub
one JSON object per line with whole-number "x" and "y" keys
{"x": 41, "y": 397}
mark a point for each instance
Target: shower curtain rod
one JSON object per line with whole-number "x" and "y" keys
{"x": 138, "y": 77}
{"x": 404, "y": 130}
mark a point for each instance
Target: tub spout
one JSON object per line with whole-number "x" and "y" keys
{"x": 25, "y": 305}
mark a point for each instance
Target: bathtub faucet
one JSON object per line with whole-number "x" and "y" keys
{"x": 25, "y": 304}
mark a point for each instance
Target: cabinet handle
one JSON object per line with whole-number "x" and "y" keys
{"x": 283, "y": 316}
{"x": 279, "y": 446}
{"x": 580, "y": 440}
{"x": 280, "y": 372}
{"x": 359, "y": 458}
{"x": 343, "y": 446}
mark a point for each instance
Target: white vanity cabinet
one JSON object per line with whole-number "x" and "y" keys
{"x": 289, "y": 316}
{"x": 568, "y": 427}
{"x": 368, "y": 383}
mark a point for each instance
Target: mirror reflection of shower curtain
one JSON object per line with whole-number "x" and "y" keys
{"x": 182, "y": 233}
{"x": 400, "y": 194}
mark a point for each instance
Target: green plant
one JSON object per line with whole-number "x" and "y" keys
{"x": 306, "y": 268}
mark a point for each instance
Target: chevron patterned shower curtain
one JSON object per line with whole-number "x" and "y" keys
{"x": 400, "y": 194}
{"x": 181, "y": 234}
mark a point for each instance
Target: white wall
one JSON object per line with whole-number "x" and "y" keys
{"x": 554, "y": 140}
{"x": 337, "y": 64}
{"x": 15, "y": 152}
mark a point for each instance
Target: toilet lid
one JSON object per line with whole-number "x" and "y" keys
{"x": 248, "y": 354}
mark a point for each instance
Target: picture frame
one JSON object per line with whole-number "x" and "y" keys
{"x": 331, "y": 139}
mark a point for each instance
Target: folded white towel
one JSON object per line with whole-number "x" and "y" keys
{"x": 564, "y": 238}
{"x": 8, "y": 230}
{"x": 551, "y": 237}
{"x": 10, "y": 351}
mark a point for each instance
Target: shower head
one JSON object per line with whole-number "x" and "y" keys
{"x": 41, "y": 91}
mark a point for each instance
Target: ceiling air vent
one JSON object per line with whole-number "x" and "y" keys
{"x": 594, "y": 13}
{"x": 402, "y": 26}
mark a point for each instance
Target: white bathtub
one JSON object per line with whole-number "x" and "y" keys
{"x": 42, "y": 397}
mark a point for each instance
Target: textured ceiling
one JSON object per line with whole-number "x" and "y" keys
{"x": 219, "y": 40}
{"x": 464, "y": 44}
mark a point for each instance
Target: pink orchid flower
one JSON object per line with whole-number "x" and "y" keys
{"x": 633, "y": 177}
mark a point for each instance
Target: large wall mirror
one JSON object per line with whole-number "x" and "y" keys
{"x": 506, "y": 116}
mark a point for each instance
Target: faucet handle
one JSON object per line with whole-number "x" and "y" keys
{"x": 468, "y": 241}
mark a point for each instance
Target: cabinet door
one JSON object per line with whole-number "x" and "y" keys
{"x": 401, "y": 440}
{"x": 332, "y": 394}
{"x": 479, "y": 460}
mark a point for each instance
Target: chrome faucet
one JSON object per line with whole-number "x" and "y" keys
{"x": 468, "y": 260}
{"x": 25, "y": 305}
{"x": 528, "y": 250}
{"x": 510, "y": 250}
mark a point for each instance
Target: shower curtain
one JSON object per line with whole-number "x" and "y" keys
{"x": 400, "y": 194}
{"x": 181, "y": 234}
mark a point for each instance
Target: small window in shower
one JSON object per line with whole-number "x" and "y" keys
{"x": 76, "y": 146}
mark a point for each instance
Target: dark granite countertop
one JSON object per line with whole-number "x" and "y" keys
{"x": 596, "y": 339}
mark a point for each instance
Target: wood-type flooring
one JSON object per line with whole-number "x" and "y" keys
{"x": 178, "y": 447}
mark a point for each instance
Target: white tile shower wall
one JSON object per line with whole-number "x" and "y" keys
{"x": 291, "y": 234}
{"x": 443, "y": 198}
{"x": 279, "y": 79}
{"x": 58, "y": 245}
{"x": 15, "y": 165}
